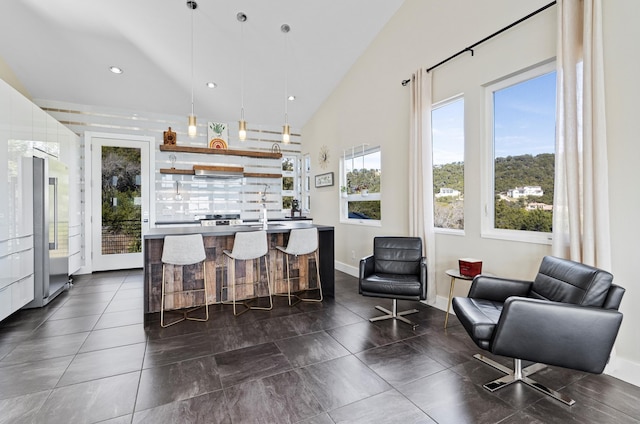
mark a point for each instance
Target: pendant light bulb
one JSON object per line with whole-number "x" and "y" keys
{"x": 242, "y": 130}
{"x": 193, "y": 130}
{"x": 286, "y": 133}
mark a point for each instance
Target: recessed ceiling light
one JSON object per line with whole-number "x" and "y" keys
{"x": 291, "y": 98}
{"x": 115, "y": 69}
{"x": 212, "y": 85}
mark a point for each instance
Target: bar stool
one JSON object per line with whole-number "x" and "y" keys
{"x": 302, "y": 242}
{"x": 184, "y": 250}
{"x": 247, "y": 246}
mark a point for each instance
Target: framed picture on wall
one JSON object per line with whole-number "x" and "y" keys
{"x": 324, "y": 180}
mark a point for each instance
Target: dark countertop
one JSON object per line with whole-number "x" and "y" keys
{"x": 227, "y": 230}
{"x": 248, "y": 222}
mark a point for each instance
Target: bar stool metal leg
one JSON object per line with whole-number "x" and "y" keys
{"x": 244, "y": 251}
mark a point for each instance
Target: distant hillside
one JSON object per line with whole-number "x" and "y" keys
{"x": 510, "y": 172}
{"x": 526, "y": 170}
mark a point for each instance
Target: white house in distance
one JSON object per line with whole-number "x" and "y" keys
{"x": 525, "y": 191}
{"x": 538, "y": 206}
{"x": 447, "y": 192}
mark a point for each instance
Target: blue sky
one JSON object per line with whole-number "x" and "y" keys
{"x": 524, "y": 122}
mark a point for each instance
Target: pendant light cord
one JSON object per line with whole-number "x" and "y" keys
{"x": 286, "y": 76}
{"x": 192, "y": 9}
{"x": 242, "y": 70}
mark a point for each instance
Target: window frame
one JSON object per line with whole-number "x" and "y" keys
{"x": 487, "y": 227}
{"x": 305, "y": 201}
{"x": 443, "y": 103}
{"x": 344, "y": 201}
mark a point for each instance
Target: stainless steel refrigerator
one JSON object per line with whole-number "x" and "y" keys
{"x": 50, "y": 229}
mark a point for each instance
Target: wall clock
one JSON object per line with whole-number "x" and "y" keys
{"x": 323, "y": 157}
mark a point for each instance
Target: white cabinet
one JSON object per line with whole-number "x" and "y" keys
{"x": 23, "y": 128}
{"x": 16, "y": 201}
{"x": 70, "y": 155}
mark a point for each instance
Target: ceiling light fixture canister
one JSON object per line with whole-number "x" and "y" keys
{"x": 286, "y": 130}
{"x": 192, "y": 131}
{"x": 242, "y": 124}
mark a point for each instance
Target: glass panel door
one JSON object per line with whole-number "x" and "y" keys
{"x": 120, "y": 202}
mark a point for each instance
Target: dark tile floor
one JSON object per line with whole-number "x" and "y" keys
{"x": 88, "y": 358}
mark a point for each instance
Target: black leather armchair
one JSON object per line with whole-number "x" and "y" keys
{"x": 567, "y": 317}
{"x": 396, "y": 270}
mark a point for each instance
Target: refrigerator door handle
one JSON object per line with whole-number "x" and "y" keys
{"x": 53, "y": 193}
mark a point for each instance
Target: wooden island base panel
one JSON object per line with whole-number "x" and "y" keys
{"x": 217, "y": 239}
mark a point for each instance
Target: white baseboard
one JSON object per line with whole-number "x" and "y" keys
{"x": 441, "y": 303}
{"x": 347, "y": 269}
{"x": 624, "y": 369}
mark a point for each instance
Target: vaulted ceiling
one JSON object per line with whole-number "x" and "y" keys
{"x": 62, "y": 50}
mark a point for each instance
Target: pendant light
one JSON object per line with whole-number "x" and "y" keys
{"x": 286, "y": 130}
{"x": 242, "y": 124}
{"x": 192, "y": 130}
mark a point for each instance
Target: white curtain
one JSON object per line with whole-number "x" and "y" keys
{"x": 581, "y": 201}
{"x": 420, "y": 174}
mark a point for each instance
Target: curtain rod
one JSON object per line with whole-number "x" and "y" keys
{"x": 470, "y": 48}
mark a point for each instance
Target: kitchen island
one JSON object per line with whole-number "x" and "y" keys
{"x": 219, "y": 238}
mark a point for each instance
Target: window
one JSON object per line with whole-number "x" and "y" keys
{"x": 290, "y": 181}
{"x": 523, "y": 120}
{"x": 360, "y": 185}
{"x": 447, "y": 128}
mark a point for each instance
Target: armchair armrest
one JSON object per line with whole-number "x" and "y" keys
{"x": 367, "y": 265}
{"x": 497, "y": 289}
{"x": 423, "y": 278}
{"x": 554, "y": 333}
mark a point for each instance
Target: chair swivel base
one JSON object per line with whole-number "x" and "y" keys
{"x": 185, "y": 316}
{"x": 394, "y": 314}
{"x": 520, "y": 374}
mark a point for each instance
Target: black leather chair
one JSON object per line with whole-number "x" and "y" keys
{"x": 396, "y": 270}
{"x": 567, "y": 317}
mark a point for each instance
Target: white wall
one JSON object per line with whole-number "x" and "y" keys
{"x": 371, "y": 106}
{"x": 622, "y": 61}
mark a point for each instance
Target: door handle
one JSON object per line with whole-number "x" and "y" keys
{"x": 53, "y": 190}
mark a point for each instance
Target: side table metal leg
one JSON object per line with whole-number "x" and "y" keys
{"x": 452, "y": 285}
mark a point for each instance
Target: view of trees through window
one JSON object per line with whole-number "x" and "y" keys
{"x": 362, "y": 173}
{"x": 524, "y": 154}
{"x": 121, "y": 214}
{"x": 447, "y": 136}
{"x": 288, "y": 181}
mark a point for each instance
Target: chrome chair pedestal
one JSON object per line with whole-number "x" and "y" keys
{"x": 394, "y": 314}
{"x": 520, "y": 374}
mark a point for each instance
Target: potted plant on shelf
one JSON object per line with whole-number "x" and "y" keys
{"x": 343, "y": 191}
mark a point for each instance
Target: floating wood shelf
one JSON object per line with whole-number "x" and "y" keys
{"x": 221, "y": 168}
{"x": 259, "y": 175}
{"x": 176, "y": 171}
{"x": 208, "y": 151}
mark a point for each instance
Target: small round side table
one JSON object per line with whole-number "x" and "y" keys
{"x": 454, "y": 274}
